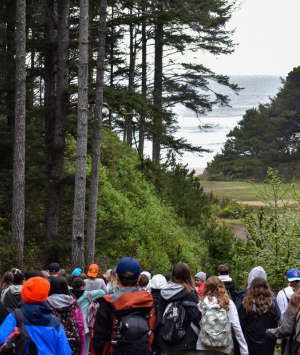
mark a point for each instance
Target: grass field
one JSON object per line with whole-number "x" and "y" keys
{"x": 241, "y": 191}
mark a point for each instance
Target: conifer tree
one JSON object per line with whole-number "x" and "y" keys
{"x": 94, "y": 185}
{"x": 18, "y": 213}
{"x": 82, "y": 136}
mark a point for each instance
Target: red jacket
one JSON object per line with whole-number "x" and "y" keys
{"x": 200, "y": 289}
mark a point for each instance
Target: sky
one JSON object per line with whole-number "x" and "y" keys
{"x": 268, "y": 34}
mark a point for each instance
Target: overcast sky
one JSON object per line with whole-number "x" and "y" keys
{"x": 268, "y": 33}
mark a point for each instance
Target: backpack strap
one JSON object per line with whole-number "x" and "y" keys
{"x": 20, "y": 324}
{"x": 19, "y": 318}
{"x": 189, "y": 304}
{"x": 286, "y": 295}
{"x": 89, "y": 296}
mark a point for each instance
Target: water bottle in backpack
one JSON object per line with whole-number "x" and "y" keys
{"x": 173, "y": 321}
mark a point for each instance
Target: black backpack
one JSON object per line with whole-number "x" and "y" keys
{"x": 132, "y": 331}
{"x": 18, "y": 342}
{"x": 173, "y": 319}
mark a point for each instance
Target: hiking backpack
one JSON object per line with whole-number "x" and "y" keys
{"x": 173, "y": 319}
{"x": 132, "y": 331}
{"x": 296, "y": 337}
{"x": 16, "y": 343}
{"x": 91, "y": 312}
{"x": 68, "y": 322}
{"x": 215, "y": 329}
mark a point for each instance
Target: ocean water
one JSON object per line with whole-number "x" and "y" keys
{"x": 258, "y": 90}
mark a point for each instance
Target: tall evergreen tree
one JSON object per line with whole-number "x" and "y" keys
{"x": 93, "y": 198}
{"x": 82, "y": 136}
{"x": 18, "y": 213}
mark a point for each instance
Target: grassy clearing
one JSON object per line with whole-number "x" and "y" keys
{"x": 241, "y": 191}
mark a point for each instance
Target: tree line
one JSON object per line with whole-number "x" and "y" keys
{"x": 267, "y": 136}
{"x": 68, "y": 68}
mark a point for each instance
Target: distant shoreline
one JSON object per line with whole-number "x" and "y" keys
{"x": 199, "y": 171}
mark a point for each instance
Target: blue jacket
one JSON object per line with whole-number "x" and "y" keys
{"x": 42, "y": 326}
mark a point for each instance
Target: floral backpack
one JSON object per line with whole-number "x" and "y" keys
{"x": 68, "y": 322}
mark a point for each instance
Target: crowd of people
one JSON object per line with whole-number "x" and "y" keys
{"x": 126, "y": 311}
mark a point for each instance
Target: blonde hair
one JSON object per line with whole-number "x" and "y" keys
{"x": 112, "y": 287}
{"x": 214, "y": 287}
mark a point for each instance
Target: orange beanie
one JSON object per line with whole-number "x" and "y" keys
{"x": 36, "y": 289}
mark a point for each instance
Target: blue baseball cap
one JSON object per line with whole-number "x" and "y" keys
{"x": 129, "y": 264}
{"x": 76, "y": 272}
{"x": 293, "y": 275}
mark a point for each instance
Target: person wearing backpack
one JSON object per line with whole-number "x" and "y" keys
{"x": 178, "y": 313}
{"x": 284, "y": 296}
{"x": 125, "y": 319}
{"x": 219, "y": 318}
{"x": 12, "y": 296}
{"x": 230, "y": 285}
{"x": 42, "y": 326}
{"x": 82, "y": 297}
{"x": 257, "y": 313}
{"x": 290, "y": 327}
{"x": 65, "y": 307}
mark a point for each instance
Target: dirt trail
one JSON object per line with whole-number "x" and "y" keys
{"x": 260, "y": 203}
{"x": 212, "y": 189}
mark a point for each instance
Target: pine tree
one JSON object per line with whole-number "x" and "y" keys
{"x": 18, "y": 213}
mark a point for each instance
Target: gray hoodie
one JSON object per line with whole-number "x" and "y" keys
{"x": 59, "y": 301}
{"x": 170, "y": 290}
{"x": 256, "y": 272}
{"x": 15, "y": 290}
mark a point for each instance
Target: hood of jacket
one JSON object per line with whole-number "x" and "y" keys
{"x": 77, "y": 292}
{"x": 60, "y": 301}
{"x": 158, "y": 282}
{"x": 256, "y": 272}
{"x": 38, "y": 313}
{"x": 225, "y": 278}
{"x": 16, "y": 289}
{"x": 171, "y": 290}
{"x": 210, "y": 303}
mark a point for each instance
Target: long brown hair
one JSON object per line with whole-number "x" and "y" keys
{"x": 181, "y": 275}
{"x": 214, "y": 287}
{"x": 6, "y": 281}
{"x": 258, "y": 297}
{"x": 295, "y": 299}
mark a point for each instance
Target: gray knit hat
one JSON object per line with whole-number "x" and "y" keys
{"x": 201, "y": 275}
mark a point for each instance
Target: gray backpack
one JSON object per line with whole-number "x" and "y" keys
{"x": 296, "y": 337}
{"x": 215, "y": 329}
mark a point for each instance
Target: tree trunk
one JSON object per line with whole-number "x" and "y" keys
{"x": 144, "y": 82}
{"x": 157, "y": 117}
{"x": 18, "y": 213}
{"x": 111, "y": 63}
{"x": 130, "y": 81}
{"x": 82, "y": 132}
{"x": 10, "y": 86}
{"x": 49, "y": 104}
{"x": 93, "y": 198}
{"x": 61, "y": 111}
